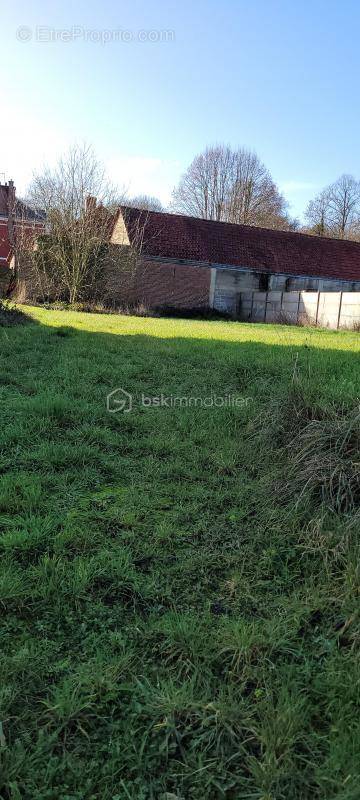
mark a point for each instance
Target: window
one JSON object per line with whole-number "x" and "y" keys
{"x": 263, "y": 282}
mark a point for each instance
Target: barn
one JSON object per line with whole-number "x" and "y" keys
{"x": 188, "y": 262}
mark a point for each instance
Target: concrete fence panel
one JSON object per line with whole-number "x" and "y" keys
{"x": 273, "y": 306}
{"x": 308, "y": 307}
{"x": 350, "y": 310}
{"x": 326, "y": 309}
{"x": 329, "y": 308}
{"x": 290, "y": 307}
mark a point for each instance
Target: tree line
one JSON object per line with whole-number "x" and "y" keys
{"x": 228, "y": 185}
{"x": 335, "y": 211}
{"x": 220, "y": 184}
{"x": 235, "y": 186}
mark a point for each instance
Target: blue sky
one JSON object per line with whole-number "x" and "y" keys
{"x": 278, "y": 76}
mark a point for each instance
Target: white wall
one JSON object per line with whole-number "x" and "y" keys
{"x": 327, "y": 309}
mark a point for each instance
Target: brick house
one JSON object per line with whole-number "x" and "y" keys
{"x": 15, "y": 218}
{"x": 191, "y": 263}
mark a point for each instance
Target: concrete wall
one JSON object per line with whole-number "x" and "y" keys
{"x": 285, "y": 283}
{"x": 229, "y": 284}
{"x": 327, "y": 309}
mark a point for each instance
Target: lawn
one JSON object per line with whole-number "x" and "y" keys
{"x": 179, "y": 585}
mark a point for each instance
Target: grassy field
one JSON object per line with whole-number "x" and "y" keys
{"x": 179, "y": 587}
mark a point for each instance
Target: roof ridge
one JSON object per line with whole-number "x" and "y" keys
{"x": 181, "y": 237}
{"x": 240, "y": 225}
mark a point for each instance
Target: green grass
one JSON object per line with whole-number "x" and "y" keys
{"x": 179, "y": 588}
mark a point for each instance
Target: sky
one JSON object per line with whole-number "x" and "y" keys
{"x": 149, "y": 84}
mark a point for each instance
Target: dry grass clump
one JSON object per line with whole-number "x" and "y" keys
{"x": 316, "y": 448}
{"x": 324, "y": 459}
{"x": 284, "y": 418}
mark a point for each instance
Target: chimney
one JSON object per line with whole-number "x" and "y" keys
{"x": 11, "y": 196}
{"x": 90, "y": 204}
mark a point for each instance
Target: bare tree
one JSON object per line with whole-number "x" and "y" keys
{"x": 146, "y": 202}
{"x": 205, "y": 186}
{"x": 231, "y": 186}
{"x": 344, "y": 205}
{"x": 317, "y": 214}
{"x": 336, "y": 210}
{"x": 255, "y": 199}
{"x": 77, "y": 227}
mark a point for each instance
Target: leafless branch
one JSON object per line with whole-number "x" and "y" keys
{"x": 230, "y": 186}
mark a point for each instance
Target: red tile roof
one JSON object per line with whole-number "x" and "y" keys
{"x": 187, "y": 238}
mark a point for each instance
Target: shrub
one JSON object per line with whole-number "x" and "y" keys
{"x": 10, "y": 315}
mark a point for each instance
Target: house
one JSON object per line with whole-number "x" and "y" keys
{"x": 16, "y": 220}
{"x": 190, "y": 263}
